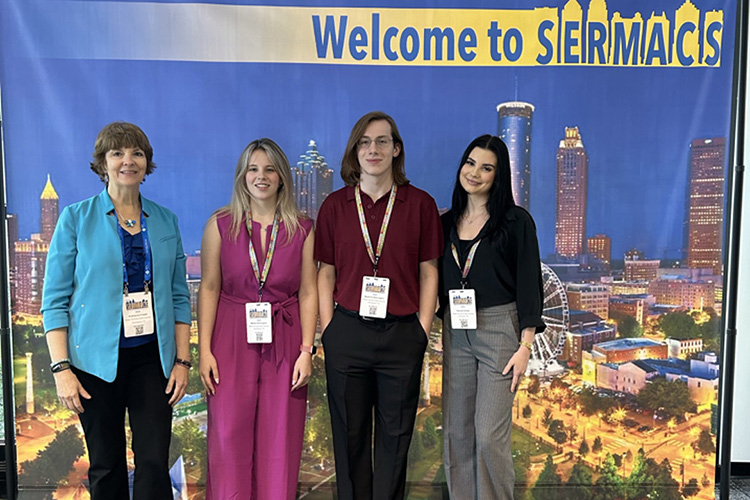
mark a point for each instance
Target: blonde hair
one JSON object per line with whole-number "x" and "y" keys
{"x": 239, "y": 204}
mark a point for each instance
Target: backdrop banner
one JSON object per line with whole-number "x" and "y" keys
{"x": 617, "y": 117}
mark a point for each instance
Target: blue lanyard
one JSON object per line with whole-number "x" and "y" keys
{"x": 147, "y": 252}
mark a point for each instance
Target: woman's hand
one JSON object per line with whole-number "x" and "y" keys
{"x": 177, "y": 384}
{"x": 519, "y": 362}
{"x": 209, "y": 371}
{"x": 302, "y": 370}
{"x": 70, "y": 391}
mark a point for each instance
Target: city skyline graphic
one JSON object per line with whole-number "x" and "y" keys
{"x": 623, "y": 168}
{"x": 605, "y": 339}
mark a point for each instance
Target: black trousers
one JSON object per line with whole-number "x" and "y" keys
{"x": 139, "y": 387}
{"x": 372, "y": 364}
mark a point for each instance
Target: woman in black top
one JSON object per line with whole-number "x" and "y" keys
{"x": 491, "y": 299}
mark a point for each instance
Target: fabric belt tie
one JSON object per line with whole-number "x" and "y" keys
{"x": 283, "y": 324}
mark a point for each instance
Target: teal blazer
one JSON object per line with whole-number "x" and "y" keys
{"x": 83, "y": 283}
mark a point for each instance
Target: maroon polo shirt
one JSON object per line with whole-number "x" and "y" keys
{"x": 414, "y": 235}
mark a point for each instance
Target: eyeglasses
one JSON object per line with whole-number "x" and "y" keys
{"x": 380, "y": 142}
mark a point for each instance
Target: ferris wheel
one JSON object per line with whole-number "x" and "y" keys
{"x": 549, "y": 344}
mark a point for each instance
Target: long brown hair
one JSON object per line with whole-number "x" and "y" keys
{"x": 350, "y": 168}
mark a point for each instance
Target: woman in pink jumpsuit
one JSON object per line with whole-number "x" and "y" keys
{"x": 256, "y": 391}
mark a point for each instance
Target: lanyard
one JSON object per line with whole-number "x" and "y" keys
{"x": 147, "y": 252}
{"x": 468, "y": 263}
{"x": 261, "y": 278}
{"x": 375, "y": 254}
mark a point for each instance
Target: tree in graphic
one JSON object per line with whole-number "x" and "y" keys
{"x": 705, "y": 443}
{"x": 548, "y": 483}
{"x": 583, "y": 450}
{"x": 430, "y": 435}
{"x": 580, "y": 484}
{"x": 526, "y": 412}
{"x": 609, "y": 485}
{"x": 672, "y": 396}
{"x": 53, "y": 464}
{"x": 692, "y": 488}
{"x": 557, "y": 431}
{"x": 597, "y": 446}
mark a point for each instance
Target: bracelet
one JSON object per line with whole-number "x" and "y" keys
{"x": 184, "y": 362}
{"x": 309, "y": 348}
{"x": 527, "y": 345}
{"x": 61, "y": 368}
{"x": 64, "y": 360}
{"x": 63, "y": 364}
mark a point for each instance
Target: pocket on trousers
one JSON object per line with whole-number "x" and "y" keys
{"x": 324, "y": 334}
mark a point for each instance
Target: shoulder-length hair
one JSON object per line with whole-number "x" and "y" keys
{"x": 239, "y": 204}
{"x": 350, "y": 168}
{"x": 500, "y": 200}
{"x": 118, "y": 135}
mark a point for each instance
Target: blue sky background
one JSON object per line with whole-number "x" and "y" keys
{"x": 636, "y": 123}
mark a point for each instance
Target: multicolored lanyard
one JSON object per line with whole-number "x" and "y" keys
{"x": 147, "y": 252}
{"x": 469, "y": 261}
{"x": 261, "y": 278}
{"x": 375, "y": 254}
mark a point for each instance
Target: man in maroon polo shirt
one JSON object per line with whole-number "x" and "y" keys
{"x": 378, "y": 240}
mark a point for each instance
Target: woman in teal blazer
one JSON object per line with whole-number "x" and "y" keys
{"x": 116, "y": 312}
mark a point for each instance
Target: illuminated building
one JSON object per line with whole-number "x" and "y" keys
{"x": 627, "y": 287}
{"x": 49, "y": 211}
{"x": 572, "y": 175}
{"x": 514, "y": 128}
{"x": 591, "y": 298}
{"x": 12, "y": 220}
{"x": 622, "y": 350}
{"x": 31, "y": 259}
{"x": 600, "y": 247}
{"x": 681, "y": 291}
{"x": 31, "y": 256}
{"x": 639, "y": 269}
{"x": 313, "y": 181}
{"x": 706, "y": 204}
{"x": 193, "y": 265}
{"x": 700, "y": 375}
{"x": 631, "y": 305}
{"x": 628, "y": 377}
{"x": 682, "y": 348}
{"x": 585, "y": 330}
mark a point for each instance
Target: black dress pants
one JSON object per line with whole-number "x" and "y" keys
{"x": 139, "y": 387}
{"x": 372, "y": 364}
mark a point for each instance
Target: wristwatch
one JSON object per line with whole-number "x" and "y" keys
{"x": 308, "y": 348}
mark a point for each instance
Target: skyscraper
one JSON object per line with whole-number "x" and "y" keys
{"x": 31, "y": 256}
{"x": 313, "y": 181}
{"x": 514, "y": 128}
{"x": 50, "y": 211}
{"x": 706, "y": 204}
{"x": 572, "y": 179}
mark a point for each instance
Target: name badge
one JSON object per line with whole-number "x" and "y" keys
{"x": 137, "y": 314}
{"x": 373, "y": 302}
{"x": 258, "y": 321}
{"x": 463, "y": 309}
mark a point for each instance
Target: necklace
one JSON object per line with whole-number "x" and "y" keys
{"x": 475, "y": 218}
{"x": 127, "y": 222}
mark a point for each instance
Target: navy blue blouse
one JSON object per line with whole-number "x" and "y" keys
{"x": 135, "y": 263}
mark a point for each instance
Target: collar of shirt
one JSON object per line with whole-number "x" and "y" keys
{"x": 400, "y": 194}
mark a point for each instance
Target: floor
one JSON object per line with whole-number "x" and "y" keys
{"x": 739, "y": 488}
